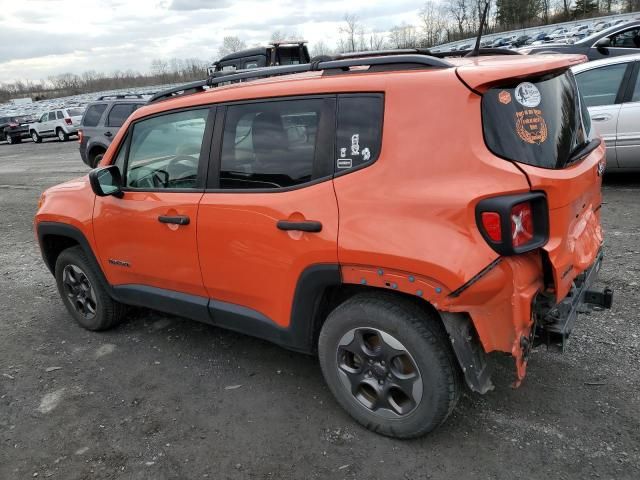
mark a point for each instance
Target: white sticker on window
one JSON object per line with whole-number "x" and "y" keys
{"x": 528, "y": 95}
{"x": 366, "y": 154}
{"x": 343, "y": 153}
{"x": 355, "y": 144}
{"x": 345, "y": 163}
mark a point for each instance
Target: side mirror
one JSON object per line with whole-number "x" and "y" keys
{"x": 106, "y": 181}
{"x": 603, "y": 44}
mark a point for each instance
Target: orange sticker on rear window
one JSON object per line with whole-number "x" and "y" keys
{"x": 531, "y": 127}
{"x": 504, "y": 97}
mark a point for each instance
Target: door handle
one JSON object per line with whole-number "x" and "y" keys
{"x": 107, "y": 134}
{"x": 601, "y": 118}
{"x": 304, "y": 226}
{"x": 175, "y": 220}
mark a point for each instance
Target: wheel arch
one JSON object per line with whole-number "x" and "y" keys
{"x": 55, "y": 237}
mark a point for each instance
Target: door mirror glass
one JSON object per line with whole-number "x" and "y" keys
{"x": 106, "y": 181}
{"x": 603, "y": 43}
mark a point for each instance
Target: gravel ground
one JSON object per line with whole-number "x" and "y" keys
{"x": 164, "y": 398}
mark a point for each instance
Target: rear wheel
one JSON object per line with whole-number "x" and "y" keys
{"x": 62, "y": 135}
{"x": 84, "y": 293}
{"x": 389, "y": 364}
{"x": 10, "y": 140}
{"x": 35, "y": 137}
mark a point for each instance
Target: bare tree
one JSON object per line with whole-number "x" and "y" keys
{"x": 459, "y": 10}
{"x": 433, "y": 19}
{"x": 231, "y": 44}
{"x": 350, "y": 32}
{"x": 376, "y": 40}
{"x": 320, "y": 48}
{"x": 403, "y": 36}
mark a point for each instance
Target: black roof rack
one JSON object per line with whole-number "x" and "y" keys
{"x": 481, "y": 52}
{"x": 120, "y": 96}
{"x": 362, "y": 60}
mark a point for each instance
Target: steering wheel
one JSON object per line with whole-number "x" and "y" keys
{"x": 182, "y": 166}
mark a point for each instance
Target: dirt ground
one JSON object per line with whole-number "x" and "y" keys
{"x": 165, "y": 398}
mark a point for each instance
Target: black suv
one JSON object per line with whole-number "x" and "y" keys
{"x": 101, "y": 121}
{"x": 274, "y": 54}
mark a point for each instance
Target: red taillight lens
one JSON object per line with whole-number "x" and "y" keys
{"x": 68, "y": 121}
{"x": 491, "y": 225}
{"x": 521, "y": 224}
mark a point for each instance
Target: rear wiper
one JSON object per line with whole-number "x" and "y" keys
{"x": 583, "y": 150}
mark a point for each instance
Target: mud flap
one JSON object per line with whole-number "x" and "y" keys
{"x": 469, "y": 351}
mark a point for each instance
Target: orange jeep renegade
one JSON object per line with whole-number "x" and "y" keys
{"x": 399, "y": 215}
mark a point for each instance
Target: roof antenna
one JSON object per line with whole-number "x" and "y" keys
{"x": 476, "y": 50}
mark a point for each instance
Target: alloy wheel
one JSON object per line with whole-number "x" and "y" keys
{"x": 61, "y": 135}
{"x": 34, "y": 136}
{"x": 79, "y": 291}
{"x": 379, "y": 372}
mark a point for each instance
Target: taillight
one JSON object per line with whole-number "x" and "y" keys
{"x": 513, "y": 224}
{"x": 68, "y": 121}
{"x": 491, "y": 225}
{"x": 80, "y": 136}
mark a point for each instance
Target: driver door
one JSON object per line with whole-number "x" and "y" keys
{"x": 148, "y": 237}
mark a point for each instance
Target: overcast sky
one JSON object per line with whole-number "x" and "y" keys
{"x": 39, "y": 38}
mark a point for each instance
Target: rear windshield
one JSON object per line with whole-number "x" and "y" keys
{"x": 539, "y": 122}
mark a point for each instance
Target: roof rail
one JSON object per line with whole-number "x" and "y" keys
{"x": 120, "y": 96}
{"x": 341, "y": 63}
{"x": 481, "y": 52}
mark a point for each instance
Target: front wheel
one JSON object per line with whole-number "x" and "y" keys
{"x": 389, "y": 364}
{"x": 35, "y": 137}
{"x": 84, "y": 292}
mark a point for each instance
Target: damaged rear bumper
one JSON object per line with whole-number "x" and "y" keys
{"x": 554, "y": 322}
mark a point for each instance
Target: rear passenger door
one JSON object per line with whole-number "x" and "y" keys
{"x": 628, "y": 144}
{"x": 269, "y": 212}
{"x": 601, "y": 89}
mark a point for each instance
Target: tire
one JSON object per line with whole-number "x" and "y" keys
{"x": 406, "y": 381}
{"x": 96, "y": 157}
{"x": 62, "y": 135}
{"x": 84, "y": 292}
{"x": 35, "y": 137}
{"x": 10, "y": 140}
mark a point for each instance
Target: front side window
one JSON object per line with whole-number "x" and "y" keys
{"x": 600, "y": 86}
{"x": 270, "y": 144}
{"x": 164, "y": 152}
{"x": 93, "y": 114}
{"x": 52, "y": 116}
{"x": 627, "y": 39}
{"x": 359, "y": 130}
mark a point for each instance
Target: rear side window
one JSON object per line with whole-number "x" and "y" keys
{"x": 600, "y": 86}
{"x": 270, "y": 144}
{"x": 93, "y": 114}
{"x": 59, "y": 115}
{"x": 359, "y": 130}
{"x": 119, "y": 113}
{"x": 537, "y": 122}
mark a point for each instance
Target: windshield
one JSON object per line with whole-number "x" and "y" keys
{"x": 538, "y": 122}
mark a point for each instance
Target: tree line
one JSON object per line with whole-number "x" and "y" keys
{"x": 437, "y": 22}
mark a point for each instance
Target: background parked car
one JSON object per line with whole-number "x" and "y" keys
{"x": 16, "y": 129}
{"x": 622, "y": 39}
{"x": 611, "y": 91}
{"x": 101, "y": 121}
{"x": 61, "y": 123}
